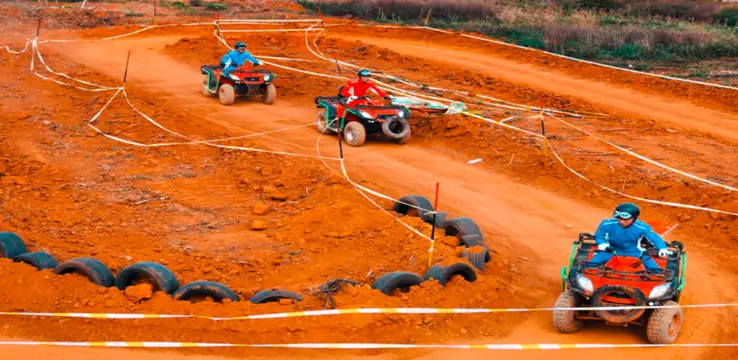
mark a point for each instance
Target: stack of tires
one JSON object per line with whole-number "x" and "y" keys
{"x": 463, "y": 228}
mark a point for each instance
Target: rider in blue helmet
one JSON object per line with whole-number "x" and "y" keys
{"x": 621, "y": 234}
{"x": 235, "y": 58}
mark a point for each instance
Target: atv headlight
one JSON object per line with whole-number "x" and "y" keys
{"x": 659, "y": 291}
{"x": 585, "y": 283}
{"x": 401, "y": 113}
{"x": 234, "y": 77}
{"x": 366, "y": 115}
{"x": 267, "y": 77}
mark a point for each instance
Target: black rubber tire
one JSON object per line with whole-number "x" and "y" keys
{"x": 565, "y": 321}
{"x": 391, "y": 125}
{"x": 270, "y": 95}
{"x": 461, "y": 226}
{"x": 610, "y": 315}
{"x": 398, "y": 280}
{"x": 158, "y": 275}
{"x": 478, "y": 258}
{"x": 354, "y": 133}
{"x": 664, "y": 324}
{"x": 266, "y": 296}
{"x": 472, "y": 240}
{"x": 414, "y": 200}
{"x": 444, "y": 273}
{"x": 227, "y": 94}
{"x": 217, "y": 291}
{"x": 96, "y": 271}
{"x": 440, "y": 218}
{"x": 38, "y": 259}
{"x": 403, "y": 140}
{"x": 11, "y": 245}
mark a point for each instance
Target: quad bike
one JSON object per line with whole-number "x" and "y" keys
{"x": 372, "y": 117}
{"x": 623, "y": 281}
{"x": 243, "y": 81}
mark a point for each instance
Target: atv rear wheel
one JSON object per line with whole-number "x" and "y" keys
{"x": 565, "y": 320}
{"x": 227, "y": 94}
{"x": 206, "y": 86}
{"x": 354, "y": 133}
{"x": 270, "y": 95}
{"x": 664, "y": 324}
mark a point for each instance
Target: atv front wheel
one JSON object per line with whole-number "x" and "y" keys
{"x": 227, "y": 94}
{"x": 565, "y": 320}
{"x": 270, "y": 95}
{"x": 664, "y": 324}
{"x": 320, "y": 123}
{"x": 206, "y": 86}
{"x": 354, "y": 133}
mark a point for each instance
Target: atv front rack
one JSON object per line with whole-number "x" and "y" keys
{"x": 601, "y": 271}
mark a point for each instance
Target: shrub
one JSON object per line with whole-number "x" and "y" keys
{"x": 215, "y": 6}
{"x": 728, "y": 16}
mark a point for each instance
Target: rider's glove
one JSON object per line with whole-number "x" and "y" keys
{"x": 603, "y": 246}
{"x": 665, "y": 253}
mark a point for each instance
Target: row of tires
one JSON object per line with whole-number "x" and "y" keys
{"x": 155, "y": 274}
{"x": 463, "y": 228}
{"x": 163, "y": 279}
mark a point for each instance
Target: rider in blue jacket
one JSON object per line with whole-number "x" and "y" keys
{"x": 621, "y": 235}
{"x": 235, "y": 58}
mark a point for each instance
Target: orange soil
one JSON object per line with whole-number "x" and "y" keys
{"x": 73, "y": 193}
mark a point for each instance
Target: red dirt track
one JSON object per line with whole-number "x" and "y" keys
{"x": 69, "y": 191}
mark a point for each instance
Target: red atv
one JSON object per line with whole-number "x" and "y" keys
{"x": 623, "y": 281}
{"x": 244, "y": 81}
{"x": 372, "y": 117}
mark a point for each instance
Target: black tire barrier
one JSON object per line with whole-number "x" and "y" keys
{"x": 444, "y": 273}
{"x": 96, "y": 271}
{"x": 11, "y": 245}
{"x": 472, "y": 240}
{"x": 461, "y": 226}
{"x": 440, "y": 219}
{"x": 217, "y": 291}
{"x": 156, "y": 274}
{"x": 415, "y": 200}
{"x": 399, "y": 280}
{"x": 396, "y": 128}
{"x": 38, "y": 259}
{"x": 619, "y": 316}
{"x": 266, "y": 296}
{"x": 478, "y": 258}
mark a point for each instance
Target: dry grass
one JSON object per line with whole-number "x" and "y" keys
{"x": 592, "y": 29}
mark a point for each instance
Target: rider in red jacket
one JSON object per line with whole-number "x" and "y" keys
{"x": 356, "y": 90}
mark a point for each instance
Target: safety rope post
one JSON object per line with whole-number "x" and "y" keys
{"x": 427, "y": 18}
{"x": 433, "y": 227}
{"x": 217, "y": 24}
{"x": 154, "y": 20}
{"x": 38, "y": 27}
{"x": 125, "y": 73}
